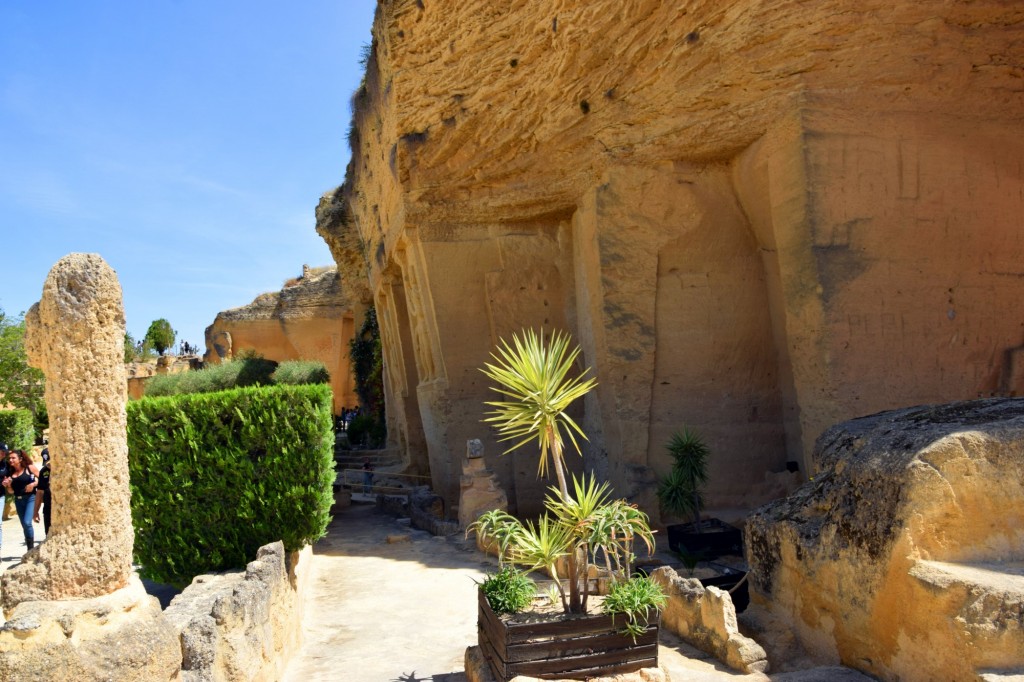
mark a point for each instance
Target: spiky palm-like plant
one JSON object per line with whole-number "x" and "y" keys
{"x": 534, "y": 378}
{"x": 680, "y": 491}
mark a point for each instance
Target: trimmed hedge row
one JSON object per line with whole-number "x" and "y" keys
{"x": 214, "y": 476}
{"x": 17, "y": 429}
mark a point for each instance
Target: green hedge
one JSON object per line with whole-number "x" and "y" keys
{"x": 215, "y": 476}
{"x": 17, "y": 429}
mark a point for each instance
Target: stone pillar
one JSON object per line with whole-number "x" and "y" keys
{"x": 480, "y": 491}
{"x": 75, "y": 335}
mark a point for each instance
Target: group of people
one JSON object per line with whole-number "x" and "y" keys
{"x": 29, "y": 486}
{"x": 346, "y": 416}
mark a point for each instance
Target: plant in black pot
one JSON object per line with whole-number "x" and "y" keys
{"x": 681, "y": 495}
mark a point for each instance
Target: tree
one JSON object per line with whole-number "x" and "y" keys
{"x": 160, "y": 335}
{"x": 20, "y": 385}
{"x": 368, "y": 366}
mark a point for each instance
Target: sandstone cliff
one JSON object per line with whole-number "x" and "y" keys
{"x": 758, "y": 218}
{"x": 311, "y": 318}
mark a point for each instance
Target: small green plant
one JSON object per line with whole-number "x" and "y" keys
{"x": 680, "y": 491}
{"x": 553, "y": 595}
{"x": 690, "y": 559}
{"x": 509, "y": 590}
{"x": 635, "y": 599}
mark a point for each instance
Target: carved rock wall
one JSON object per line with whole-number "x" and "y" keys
{"x": 758, "y": 218}
{"x": 311, "y": 318}
{"x": 904, "y": 557}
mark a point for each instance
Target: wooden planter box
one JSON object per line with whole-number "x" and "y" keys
{"x": 575, "y": 647}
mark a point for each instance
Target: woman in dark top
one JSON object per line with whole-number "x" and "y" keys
{"x": 21, "y": 482}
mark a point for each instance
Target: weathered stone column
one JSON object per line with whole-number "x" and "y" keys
{"x": 75, "y": 335}
{"x": 479, "y": 488}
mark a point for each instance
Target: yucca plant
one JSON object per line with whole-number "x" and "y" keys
{"x": 680, "y": 491}
{"x": 533, "y": 376}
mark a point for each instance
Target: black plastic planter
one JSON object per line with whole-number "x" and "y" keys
{"x": 740, "y": 598}
{"x": 716, "y": 539}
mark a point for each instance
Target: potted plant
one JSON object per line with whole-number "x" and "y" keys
{"x": 580, "y": 528}
{"x": 681, "y": 494}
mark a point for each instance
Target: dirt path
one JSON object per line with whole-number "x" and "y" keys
{"x": 405, "y": 612}
{"x": 380, "y": 612}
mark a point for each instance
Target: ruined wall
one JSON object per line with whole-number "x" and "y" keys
{"x": 311, "y": 318}
{"x": 904, "y": 557}
{"x": 757, "y": 218}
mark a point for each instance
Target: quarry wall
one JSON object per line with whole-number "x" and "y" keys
{"x": 757, "y": 218}
{"x": 311, "y": 318}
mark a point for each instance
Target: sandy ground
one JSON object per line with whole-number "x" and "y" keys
{"x": 406, "y": 611}
{"x": 12, "y": 543}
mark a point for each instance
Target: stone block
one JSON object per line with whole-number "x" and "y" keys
{"x": 903, "y": 557}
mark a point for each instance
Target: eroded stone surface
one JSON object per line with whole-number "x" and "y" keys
{"x": 312, "y": 318}
{"x": 118, "y": 636}
{"x": 479, "y": 490}
{"x": 903, "y": 556}
{"x": 758, "y": 219}
{"x": 75, "y": 335}
{"x": 242, "y": 625}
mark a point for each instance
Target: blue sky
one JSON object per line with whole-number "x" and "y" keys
{"x": 185, "y": 141}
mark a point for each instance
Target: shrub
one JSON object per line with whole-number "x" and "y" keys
{"x": 299, "y": 372}
{"x": 246, "y": 370}
{"x": 217, "y": 475}
{"x": 366, "y": 431}
{"x": 509, "y": 590}
{"x": 17, "y": 429}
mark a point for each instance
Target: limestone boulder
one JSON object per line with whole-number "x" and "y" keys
{"x": 706, "y": 618}
{"x": 904, "y": 556}
{"x": 120, "y": 636}
{"x": 241, "y": 625}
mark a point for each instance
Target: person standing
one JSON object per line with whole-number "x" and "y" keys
{"x": 43, "y": 499}
{"x": 21, "y": 483}
{"x": 367, "y": 475}
{"x": 3, "y": 491}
